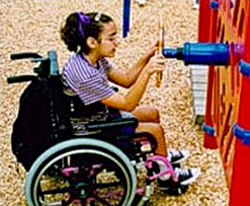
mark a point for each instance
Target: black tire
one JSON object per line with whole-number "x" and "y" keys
{"x": 81, "y": 185}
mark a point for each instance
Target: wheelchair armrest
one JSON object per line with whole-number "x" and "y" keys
{"x": 110, "y": 124}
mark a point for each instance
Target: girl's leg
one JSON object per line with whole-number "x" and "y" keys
{"x": 146, "y": 114}
{"x": 157, "y": 131}
{"x": 149, "y": 119}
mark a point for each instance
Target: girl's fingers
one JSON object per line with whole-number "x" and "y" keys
{"x": 160, "y": 58}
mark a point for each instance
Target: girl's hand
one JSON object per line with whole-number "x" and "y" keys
{"x": 156, "y": 64}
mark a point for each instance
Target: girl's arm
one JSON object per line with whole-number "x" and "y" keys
{"x": 129, "y": 101}
{"x": 128, "y": 77}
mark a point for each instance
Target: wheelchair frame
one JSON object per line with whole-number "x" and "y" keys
{"x": 70, "y": 172}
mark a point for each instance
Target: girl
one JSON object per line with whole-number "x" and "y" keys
{"x": 93, "y": 38}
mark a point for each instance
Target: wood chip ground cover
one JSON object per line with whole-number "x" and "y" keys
{"x": 33, "y": 25}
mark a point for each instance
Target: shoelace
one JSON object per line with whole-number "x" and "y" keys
{"x": 182, "y": 172}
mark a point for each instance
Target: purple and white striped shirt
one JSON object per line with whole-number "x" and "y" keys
{"x": 89, "y": 82}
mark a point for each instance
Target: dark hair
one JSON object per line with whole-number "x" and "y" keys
{"x": 80, "y": 26}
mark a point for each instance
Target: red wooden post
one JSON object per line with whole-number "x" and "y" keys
{"x": 207, "y": 33}
{"x": 240, "y": 185}
{"x": 204, "y": 21}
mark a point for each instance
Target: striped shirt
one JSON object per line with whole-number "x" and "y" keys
{"x": 89, "y": 82}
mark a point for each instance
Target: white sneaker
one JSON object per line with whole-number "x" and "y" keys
{"x": 177, "y": 156}
{"x": 187, "y": 176}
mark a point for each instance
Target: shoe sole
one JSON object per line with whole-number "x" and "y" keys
{"x": 181, "y": 160}
{"x": 191, "y": 180}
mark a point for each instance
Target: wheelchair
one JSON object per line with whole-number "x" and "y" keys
{"x": 86, "y": 163}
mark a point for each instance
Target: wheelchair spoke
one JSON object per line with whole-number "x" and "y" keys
{"x": 92, "y": 177}
{"x": 106, "y": 185}
{"x": 56, "y": 191}
{"x": 103, "y": 201}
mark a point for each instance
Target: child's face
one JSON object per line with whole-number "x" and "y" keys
{"x": 109, "y": 40}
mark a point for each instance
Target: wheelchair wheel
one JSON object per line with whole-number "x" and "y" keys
{"x": 81, "y": 172}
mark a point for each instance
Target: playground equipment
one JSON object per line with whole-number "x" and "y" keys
{"x": 224, "y": 45}
{"x": 228, "y": 95}
{"x": 126, "y": 18}
{"x": 200, "y": 53}
{"x": 71, "y": 161}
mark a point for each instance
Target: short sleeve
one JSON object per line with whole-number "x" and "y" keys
{"x": 106, "y": 65}
{"x": 94, "y": 89}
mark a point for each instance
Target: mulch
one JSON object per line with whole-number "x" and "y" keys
{"x": 33, "y": 25}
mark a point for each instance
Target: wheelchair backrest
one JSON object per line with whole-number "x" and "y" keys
{"x": 43, "y": 116}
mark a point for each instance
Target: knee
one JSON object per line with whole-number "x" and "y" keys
{"x": 147, "y": 114}
{"x": 155, "y": 115}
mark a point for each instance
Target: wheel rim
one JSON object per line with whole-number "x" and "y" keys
{"x": 88, "y": 196}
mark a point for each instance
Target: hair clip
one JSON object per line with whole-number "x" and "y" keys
{"x": 84, "y": 20}
{"x": 97, "y": 16}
